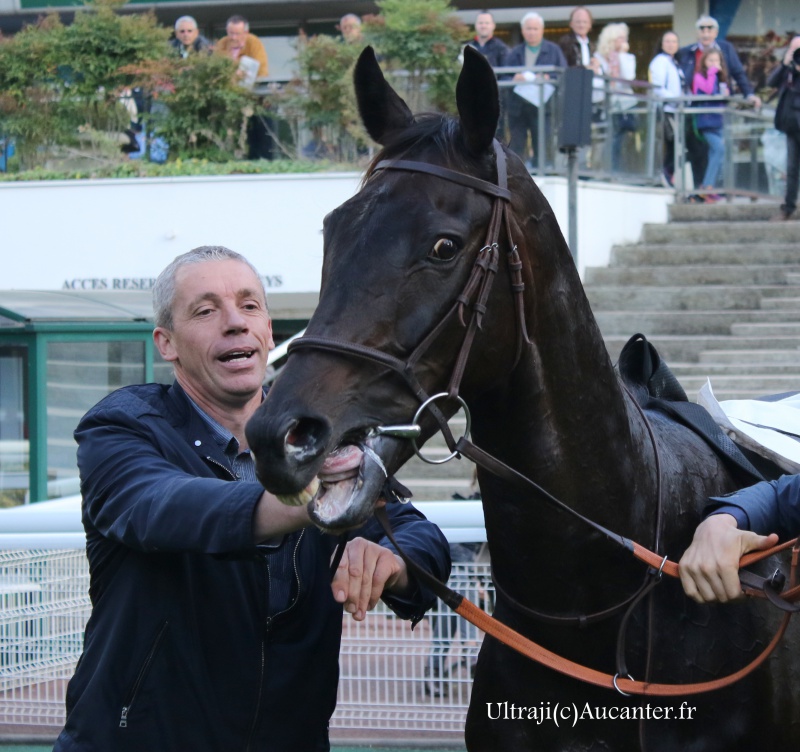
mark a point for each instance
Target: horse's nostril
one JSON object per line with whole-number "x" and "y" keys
{"x": 305, "y": 439}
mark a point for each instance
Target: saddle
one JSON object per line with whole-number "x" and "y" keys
{"x": 655, "y": 387}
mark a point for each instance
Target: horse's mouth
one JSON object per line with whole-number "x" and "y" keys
{"x": 350, "y": 482}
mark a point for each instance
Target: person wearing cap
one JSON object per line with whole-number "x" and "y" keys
{"x": 688, "y": 57}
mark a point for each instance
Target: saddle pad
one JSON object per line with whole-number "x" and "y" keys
{"x": 769, "y": 426}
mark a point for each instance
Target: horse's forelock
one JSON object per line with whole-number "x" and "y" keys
{"x": 441, "y": 134}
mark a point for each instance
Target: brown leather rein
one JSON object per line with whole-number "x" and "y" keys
{"x": 475, "y": 296}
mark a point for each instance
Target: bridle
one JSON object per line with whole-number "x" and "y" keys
{"x": 474, "y": 297}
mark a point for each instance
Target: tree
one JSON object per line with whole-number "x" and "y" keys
{"x": 423, "y": 38}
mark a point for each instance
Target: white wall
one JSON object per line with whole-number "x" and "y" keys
{"x": 106, "y": 233}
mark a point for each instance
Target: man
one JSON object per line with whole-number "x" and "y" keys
{"x": 523, "y": 116}
{"x": 215, "y": 624}
{"x": 492, "y": 48}
{"x": 239, "y": 42}
{"x": 748, "y": 520}
{"x": 687, "y": 58}
{"x": 575, "y": 45}
{"x": 187, "y": 38}
{"x": 350, "y": 28}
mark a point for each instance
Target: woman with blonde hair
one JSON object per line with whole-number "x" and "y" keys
{"x": 617, "y": 63}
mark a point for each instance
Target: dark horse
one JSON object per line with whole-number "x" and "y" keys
{"x": 546, "y": 400}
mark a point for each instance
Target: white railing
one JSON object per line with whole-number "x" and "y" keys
{"x": 393, "y": 680}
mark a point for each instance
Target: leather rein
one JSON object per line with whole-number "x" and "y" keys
{"x": 474, "y": 296}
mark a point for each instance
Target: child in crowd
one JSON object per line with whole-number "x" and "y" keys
{"x": 711, "y": 78}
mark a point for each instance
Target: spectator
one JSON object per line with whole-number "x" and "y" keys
{"x": 786, "y": 77}
{"x": 688, "y": 57}
{"x": 215, "y": 624}
{"x": 350, "y": 28}
{"x": 667, "y": 79}
{"x": 495, "y": 51}
{"x": 617, "y": 63}
{"x": 523, "y": 115}
{"x": 239, "y": 42}
{"x": 710, "y": 79}
{"x": 188, "y": 38}
{"x": 575, "y": 45}
{"x": 492, "y": 48}
{"x": 242, "y": 46}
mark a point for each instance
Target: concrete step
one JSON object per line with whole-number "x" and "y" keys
{"x": 692, "y": 252}
{"x": 767, "y": 330}
{"x": 690, "y": 322}
{"x": 686, "y": 298}
{"x": 745, "y": 367}
{"x": 767, "y": 357}
{"x": 723, "y": 212}
{"x": 681, "y": 348}
{"x": 762, "y": 233}
{"x": 765, "y": 384}
{"x": 781, "y": 303}
{"x": 695, "y": 274}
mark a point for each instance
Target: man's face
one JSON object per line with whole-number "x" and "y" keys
{"x": 533, "y": 32}
{"x": 707, "y": 34}
{"x": 484, "y": 26}
{"x": 350, "y": 28}
{"x": 237, "y": 32}
{"x": 581, "y": 23}
{"x": 186, "y": 32}
{"x": 221, "y": 333}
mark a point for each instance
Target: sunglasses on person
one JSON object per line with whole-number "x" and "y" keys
{"x": 706, "y": 28}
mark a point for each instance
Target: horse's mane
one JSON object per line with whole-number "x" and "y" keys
{"x": 442, "y": 134}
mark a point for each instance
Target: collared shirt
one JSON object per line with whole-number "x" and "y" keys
{"x": 279, "y": 557}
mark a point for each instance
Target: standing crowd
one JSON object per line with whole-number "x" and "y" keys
{"x": 708, "y": 69}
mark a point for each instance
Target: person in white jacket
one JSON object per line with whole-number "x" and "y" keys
{"x": 667, "y": 79}
{"x": 617, "y": 63}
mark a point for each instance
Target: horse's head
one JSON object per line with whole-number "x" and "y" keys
{"x": 397, "y": 257}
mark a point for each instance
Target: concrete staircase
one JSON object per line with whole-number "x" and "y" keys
{"x": 717, "y": 291}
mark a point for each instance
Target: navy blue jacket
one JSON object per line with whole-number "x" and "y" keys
{"x": 495, "y": 51}
{"x": 768, "y": 507}
{"x": 685, "y": 58}
{"x": 180, "y": 652}
{"x": 786, "y": 78}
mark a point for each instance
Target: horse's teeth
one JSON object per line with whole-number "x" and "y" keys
{"x": 303, "y": 497}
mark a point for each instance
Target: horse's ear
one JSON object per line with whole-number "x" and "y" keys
{"x": 478, "y": 101}
{"x": 382, "y": 110}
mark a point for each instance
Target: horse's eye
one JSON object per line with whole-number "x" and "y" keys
{"x": 444, "y": 249}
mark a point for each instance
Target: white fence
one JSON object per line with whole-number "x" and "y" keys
{"x": 394, "y": 681}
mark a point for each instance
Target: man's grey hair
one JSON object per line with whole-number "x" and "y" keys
{"x": 707, "y": 21}
{"x": 352, "y": 17}
{"x": 237, "y": 19}
{"x": 188, "y": 19}
{"x": 164, "y": 288}
{"x": 530, "y": 16}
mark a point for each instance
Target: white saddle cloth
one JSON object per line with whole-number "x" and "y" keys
{"x": 771, "y": 429}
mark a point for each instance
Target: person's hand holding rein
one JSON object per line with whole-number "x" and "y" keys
{"x": 709, "y": 569}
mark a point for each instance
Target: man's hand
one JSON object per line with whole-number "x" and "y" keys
{"x": 709, "y": 569}
{"x": 365, "y": 571}
{"x": 755, "y": 100}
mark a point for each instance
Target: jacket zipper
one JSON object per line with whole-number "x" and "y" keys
{"x": 267, "y": 626}
{"x": 123, "y": 719}
{"x": 220, "y": 465}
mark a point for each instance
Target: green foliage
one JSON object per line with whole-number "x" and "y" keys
{"x": 176, "y": 168}
{"x": 322, "y": 98}
{"x": 61, "y": 84}
{"x": 199, "y": 106}
{"x": 424, "y": 38}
